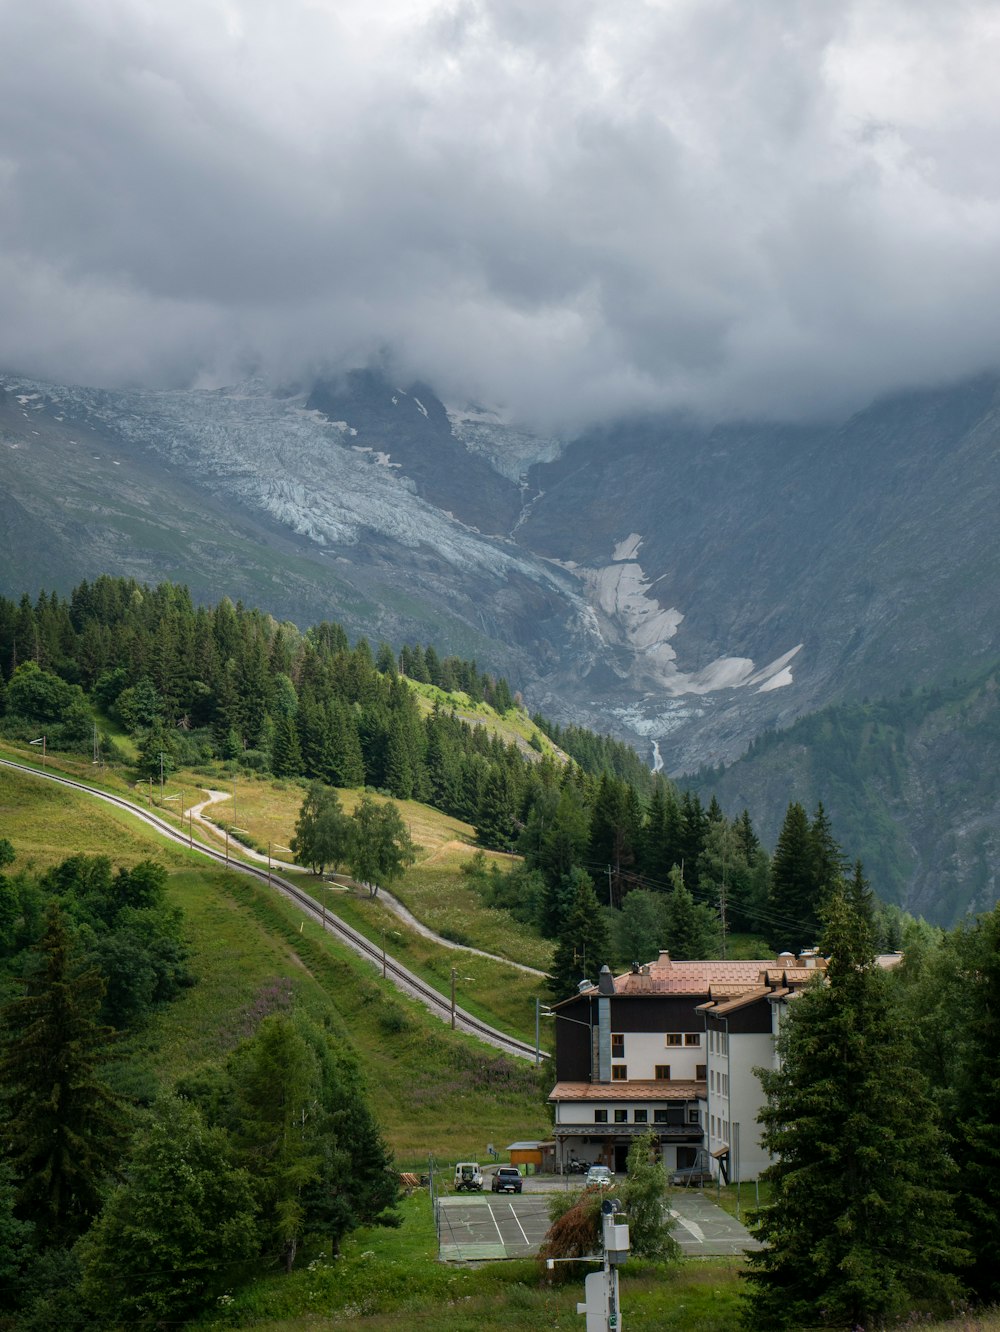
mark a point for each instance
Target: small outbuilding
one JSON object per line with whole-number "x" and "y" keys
{"x": 539, "y": 1156}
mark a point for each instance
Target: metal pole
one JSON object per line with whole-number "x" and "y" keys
{"x": 191, "y": 826}
{"x": 227, "y": 846}
{"x": 538, "y": 1033}
{"x": 453, "y": 998}
{"x": 161, "y": 776}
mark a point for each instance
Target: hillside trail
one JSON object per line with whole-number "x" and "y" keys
{"x": 392, "y": 903}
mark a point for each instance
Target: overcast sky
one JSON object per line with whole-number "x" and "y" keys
{"x": 569, "y": 207}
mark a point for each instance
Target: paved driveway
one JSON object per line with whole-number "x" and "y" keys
{"x": 702, "y": 1228}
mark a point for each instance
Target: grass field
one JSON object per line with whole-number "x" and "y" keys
{"x": 434, "y": 1091}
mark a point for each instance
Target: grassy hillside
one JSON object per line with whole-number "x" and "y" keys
{"x": 437, "y": 1091}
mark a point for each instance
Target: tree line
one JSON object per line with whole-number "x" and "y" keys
{"x": 596, "y": 830}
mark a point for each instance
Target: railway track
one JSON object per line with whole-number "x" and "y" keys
{"x": 404, "y": 979}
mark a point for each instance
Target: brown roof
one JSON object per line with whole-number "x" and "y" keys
{"x": 627, "y": 1091}
{"x": 720, "y": 979}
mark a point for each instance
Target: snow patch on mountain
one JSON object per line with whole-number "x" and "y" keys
{"x": 624, "y": 614}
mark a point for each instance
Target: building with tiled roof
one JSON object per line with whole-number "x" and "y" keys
{"x": 671, "y": 1046}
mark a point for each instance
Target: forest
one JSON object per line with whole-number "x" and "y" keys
{"x": 882, "y": 1111}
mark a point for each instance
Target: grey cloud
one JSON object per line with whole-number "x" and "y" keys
{"x": 572, "y": 209}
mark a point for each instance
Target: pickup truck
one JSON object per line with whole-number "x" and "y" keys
{"x": 506, "y": 1179}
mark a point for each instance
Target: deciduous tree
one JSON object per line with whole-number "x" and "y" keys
{"x": 381, "y": 847}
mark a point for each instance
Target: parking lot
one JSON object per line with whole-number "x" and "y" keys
{"x": 489, "y": 1226}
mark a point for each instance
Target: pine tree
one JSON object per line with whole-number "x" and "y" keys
{"x": 286, "y": 756}
{"x": 793, "y": 922}
{"x": 496, "y": 817}
{"x": 860, "y": 1223}
{"x": 691, "y": 929}
{"x": 977, "y": 1100}
{"x": 63, "y": 1126}
{"x": 582, "y": 948}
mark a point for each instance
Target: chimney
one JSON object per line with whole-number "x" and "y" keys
{"x": 605, "y": 989}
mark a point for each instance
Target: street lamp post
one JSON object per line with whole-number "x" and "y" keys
{"x": 454, "y": 978}
{"x": 40, "y": 741}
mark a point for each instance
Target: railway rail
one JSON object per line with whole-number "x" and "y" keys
{"x": 404, "y": 979}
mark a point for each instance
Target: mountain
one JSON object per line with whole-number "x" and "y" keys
{"x": 909, "y": 784}
{"x": 685, "y": 586}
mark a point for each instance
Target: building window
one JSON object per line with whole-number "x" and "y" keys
{"x": 617, "y": 1045}
{"x": 621, "y": 1116}
{"x": 662, "y": 1072}
{"x": 701, "y": 1072}
{"x": 619, "y": 1073}
{"x": 693, "y": 1115}
{"x": 692, "y": 1038}
{"x": 674, "y": 1038}
{"x": 600, "y": 1116}
{"x": 640, "y": 1116}
{"x": 659, "y": 1116}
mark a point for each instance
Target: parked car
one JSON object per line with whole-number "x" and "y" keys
{"x": 600, "y": 1176}
{"x": 506, "y": 1179}
{"x": 468, "y": 1176}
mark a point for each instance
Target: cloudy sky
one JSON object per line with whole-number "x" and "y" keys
{"x": 570, "y": 207}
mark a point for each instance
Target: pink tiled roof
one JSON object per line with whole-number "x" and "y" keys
{"x": 627, "y": 1091}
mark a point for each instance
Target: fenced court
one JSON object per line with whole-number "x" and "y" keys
{"x": 490, "y": 1226}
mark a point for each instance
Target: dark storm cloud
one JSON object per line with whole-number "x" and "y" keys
{"x": 572, "y": 208}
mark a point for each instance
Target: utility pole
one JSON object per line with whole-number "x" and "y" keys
{"x": 538, "y": 1033}
{"x": 161, "y": 776}
{"x": 453, "y": 998}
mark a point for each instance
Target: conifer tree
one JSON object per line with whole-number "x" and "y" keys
{"x": 860, "y": 1222}
{"x": 286, "y": 756}
{"x": 793, "y": 923}
{"x": 62, "y": 1125}
{"x": 690, "y": 928}
{"x": 582, "y": 948}
{"x": 977, "y": 1100}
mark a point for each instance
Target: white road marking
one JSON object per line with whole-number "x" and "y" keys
{"x": 519, "y": 1226}
{"x": 694, "y": 1229}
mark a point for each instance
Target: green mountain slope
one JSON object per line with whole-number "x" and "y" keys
{"x": 909, "y": 783}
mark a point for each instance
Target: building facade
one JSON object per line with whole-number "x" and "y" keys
{"x": 671, "y": 1047}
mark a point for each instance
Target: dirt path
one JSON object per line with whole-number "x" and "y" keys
{"x": 393, "y": 903}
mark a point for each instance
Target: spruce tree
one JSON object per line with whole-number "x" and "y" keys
{"x": 977, "y": 1100}
{"x": 582, "y": 948}
{"x": 62, "y": 1125}
{"x": 792, "y": 921}
{"x": 860, "y": 1223}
